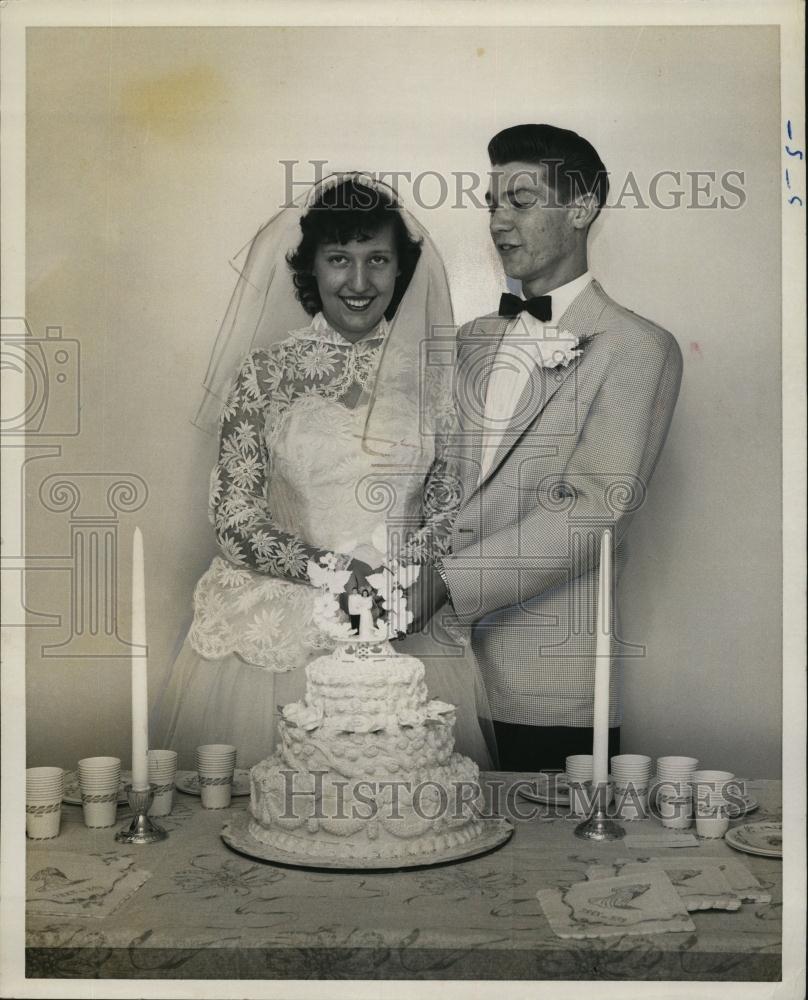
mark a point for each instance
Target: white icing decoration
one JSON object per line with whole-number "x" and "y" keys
{"x": 397, "y": 732}
{"x": 306, "y": 717}
{"x": 437, "y": 709}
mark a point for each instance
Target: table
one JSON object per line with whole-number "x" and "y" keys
{"x": 207, "y": 912}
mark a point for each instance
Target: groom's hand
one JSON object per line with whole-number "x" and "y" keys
{"x": 425, "y": 597}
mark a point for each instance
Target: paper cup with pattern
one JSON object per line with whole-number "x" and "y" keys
{"x": 712, "y": 791}
{"x": 579, "y": 767}
{"x": 631, "y": 774}
{"x": 712, "y": 827}
{"x": 215, "y": 765}
{"x": 99, "y": 782}
{"x": 673, "y": 801}
{"x": 99, "y": 768}
{"x": 676, "y": 768}
{"x": 631, "y": 767}
{"x": 162, "y": 774}
{"x": 44, "y": 789}
{"x": 44, "y": 781}
{"x": 631, "y": 799}
{"x": 585, "y": 798}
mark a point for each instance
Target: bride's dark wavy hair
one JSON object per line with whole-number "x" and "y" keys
{"x": 349, "y": 211}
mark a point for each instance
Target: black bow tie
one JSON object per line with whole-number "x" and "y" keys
{"x": 541, "y": 307}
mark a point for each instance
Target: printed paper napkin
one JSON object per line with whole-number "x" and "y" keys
{"x": 701, "y": 885}
{"x": 60, "y": 882}
{"x": 628, "y": 904}
{"x": 742, "y": 882}
{"x": 657, "y": 841}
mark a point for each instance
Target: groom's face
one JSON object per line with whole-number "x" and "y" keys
{"x": 532, "y": 232}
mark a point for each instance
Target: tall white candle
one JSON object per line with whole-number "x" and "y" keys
{"x": 140, "y": 689}
{"x": 600, "y": 742}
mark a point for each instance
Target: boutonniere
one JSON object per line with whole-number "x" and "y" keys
{"x": 557, "y": 350}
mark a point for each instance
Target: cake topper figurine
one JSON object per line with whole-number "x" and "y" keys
{"x": 390, "y": 582}
{"x": 354, "y": 608}
{"x": 367, "y": 628}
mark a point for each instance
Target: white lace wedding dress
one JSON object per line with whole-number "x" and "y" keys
{"x": 295, "y": 481}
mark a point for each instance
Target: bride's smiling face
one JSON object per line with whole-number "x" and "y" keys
{"x": 356, "y": 281}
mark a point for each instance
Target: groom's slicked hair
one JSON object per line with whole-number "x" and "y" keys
{"x": 573, "y": 165}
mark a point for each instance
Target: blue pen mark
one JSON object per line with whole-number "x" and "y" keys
{"x": 796, "y": 154}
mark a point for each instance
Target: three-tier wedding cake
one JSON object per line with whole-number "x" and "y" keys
{"x": 364, "y": 769}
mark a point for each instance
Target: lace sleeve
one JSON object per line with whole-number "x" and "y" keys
{"x": 245, "y": 530}
{"x": 442, "y": 487}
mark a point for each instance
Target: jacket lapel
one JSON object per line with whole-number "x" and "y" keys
{"x": 580, "y": 319}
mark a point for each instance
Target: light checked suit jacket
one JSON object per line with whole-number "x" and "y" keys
{"x": 577, "y": 458}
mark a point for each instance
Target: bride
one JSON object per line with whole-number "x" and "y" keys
{"x": 332, "y": 439}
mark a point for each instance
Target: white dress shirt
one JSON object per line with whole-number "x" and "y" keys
{"x": 516, "y": 355}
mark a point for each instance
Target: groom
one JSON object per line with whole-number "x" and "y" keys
{"x": 564, "y": 400}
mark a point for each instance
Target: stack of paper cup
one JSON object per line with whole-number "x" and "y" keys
{"x": 99, "y": 781}
{"x": 631, "y": 775}
{"x": 711, "y": 796}
{"x": 215, "y": 764}
{"x": 162, "y": 774}
{"x": 673, "y": 792}
{"x": 578, "y": 769}
{"x": 44, "y": 789}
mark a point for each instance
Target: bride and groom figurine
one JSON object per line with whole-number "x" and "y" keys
{"x": 360, "y": 614}
{"x": 548, "y": 426}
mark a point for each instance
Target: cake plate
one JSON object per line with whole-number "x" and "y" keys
{"x": 236, "y": 834}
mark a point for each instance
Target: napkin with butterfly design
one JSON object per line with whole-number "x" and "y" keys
{"x": 61, "y": 882}
{"x": 647, "y": 903}
{"x": 700, "y": 886}
{"x": 695, "y": 879}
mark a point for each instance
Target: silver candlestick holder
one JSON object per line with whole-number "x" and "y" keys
{"x": 598, "y": 826}
{"x": 142, "y": 829}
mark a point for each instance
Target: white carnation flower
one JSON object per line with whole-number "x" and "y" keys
{"x": 410, "y": 717}
{"x": 437, "y": 709}
{"x": 555, "y": 352}
{"x": 303, "y": 716}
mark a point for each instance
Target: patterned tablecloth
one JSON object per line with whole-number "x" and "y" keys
{"x": 207, "y": 912}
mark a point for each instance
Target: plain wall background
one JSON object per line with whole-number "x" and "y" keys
{"x": 153, "y": 156}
